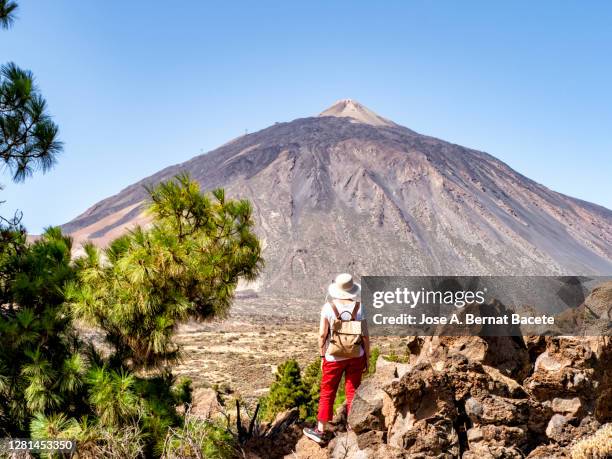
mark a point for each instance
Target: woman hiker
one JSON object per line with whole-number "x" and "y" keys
{"x": 344, "y": 348}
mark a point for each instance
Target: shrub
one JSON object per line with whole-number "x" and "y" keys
{"x": 92, "y": 441}
{"x": 374, "y": 354}
{"x": 288, "y": 391}
{"x": 393, "y": 356}
{"x": 596, "y": 446}
{"x": 199, "y": 439}
{"x": 312, "y": 383}
{"x": 41, "y": 366}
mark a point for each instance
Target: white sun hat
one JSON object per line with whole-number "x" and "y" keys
{"x": 344, "y": 288}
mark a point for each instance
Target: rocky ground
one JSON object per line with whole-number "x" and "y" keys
{"x": 453, "y": 401}
{"x": 450, "y": 397}
{"x": 477, "y": 398}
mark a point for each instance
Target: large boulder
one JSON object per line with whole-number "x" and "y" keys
{"x": 506, "y": 353}
{"x": 426, "y": 438}
{"x": 564, "y": 430}
{"x": 424, "y": 412}
{"x": 497, "y": 435}
{"x": 371, "y": 405}
{"x": 574, "y": 374}
{"x": 565, "y": 367}
{"x": 308, "y": 449}
{"x": 599, "y": 302}
{"x": 367, "y": 408}
{"x": 424, "y": 391}
{"x": 567, "y": 406}
{"x": 493, "y": 409}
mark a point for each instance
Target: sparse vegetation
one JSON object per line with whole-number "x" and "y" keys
{"x": 394, "y": 356}
{"x": 374, "y": 354}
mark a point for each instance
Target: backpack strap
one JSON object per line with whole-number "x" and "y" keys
{"x": 353, "y": 314}
{"x": 355, "y": 310}
{"x": 335, "y": 309}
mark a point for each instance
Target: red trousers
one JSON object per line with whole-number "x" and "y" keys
{"x": 332, "y": 374}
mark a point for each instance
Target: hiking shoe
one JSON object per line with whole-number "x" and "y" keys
{"x": 315, "y": 435}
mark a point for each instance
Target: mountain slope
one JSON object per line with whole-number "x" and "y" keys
{"x": 350, "y": 190}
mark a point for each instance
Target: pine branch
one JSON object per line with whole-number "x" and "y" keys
{"x": 7, "y": 13}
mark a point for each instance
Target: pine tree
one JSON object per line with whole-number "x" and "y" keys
{"x": 288, "y": 391}
{"x": 28, "y": 137}
{"x": 7, "y": 13}
{"x": 187, "y": 265}
{"x": 41, "y": 369}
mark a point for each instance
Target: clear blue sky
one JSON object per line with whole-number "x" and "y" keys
{"x": 138, "y": 85}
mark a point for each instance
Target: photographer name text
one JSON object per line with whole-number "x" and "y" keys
{"x": 467, "y": 319}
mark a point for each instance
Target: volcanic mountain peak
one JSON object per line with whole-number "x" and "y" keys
{"x": 349, "y": 108}
{"x": 352, "y": 191}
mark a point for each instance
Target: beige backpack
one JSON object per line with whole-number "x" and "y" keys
{"x": 345, "y": 336}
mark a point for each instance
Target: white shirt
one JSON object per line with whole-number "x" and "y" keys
{"x": 345, "y": 311}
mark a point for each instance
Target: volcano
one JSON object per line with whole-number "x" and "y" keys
{"x": 349, "y": 190}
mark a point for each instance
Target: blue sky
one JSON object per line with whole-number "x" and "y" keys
{"x": 138, "y": 85}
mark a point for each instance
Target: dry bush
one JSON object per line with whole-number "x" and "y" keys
{"x": 110, "y": 443}
{"x": 199, "y": 439}
{"x": 596, "y": 446}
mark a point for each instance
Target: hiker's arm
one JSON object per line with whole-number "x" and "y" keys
{"x": 323, "y": 331}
